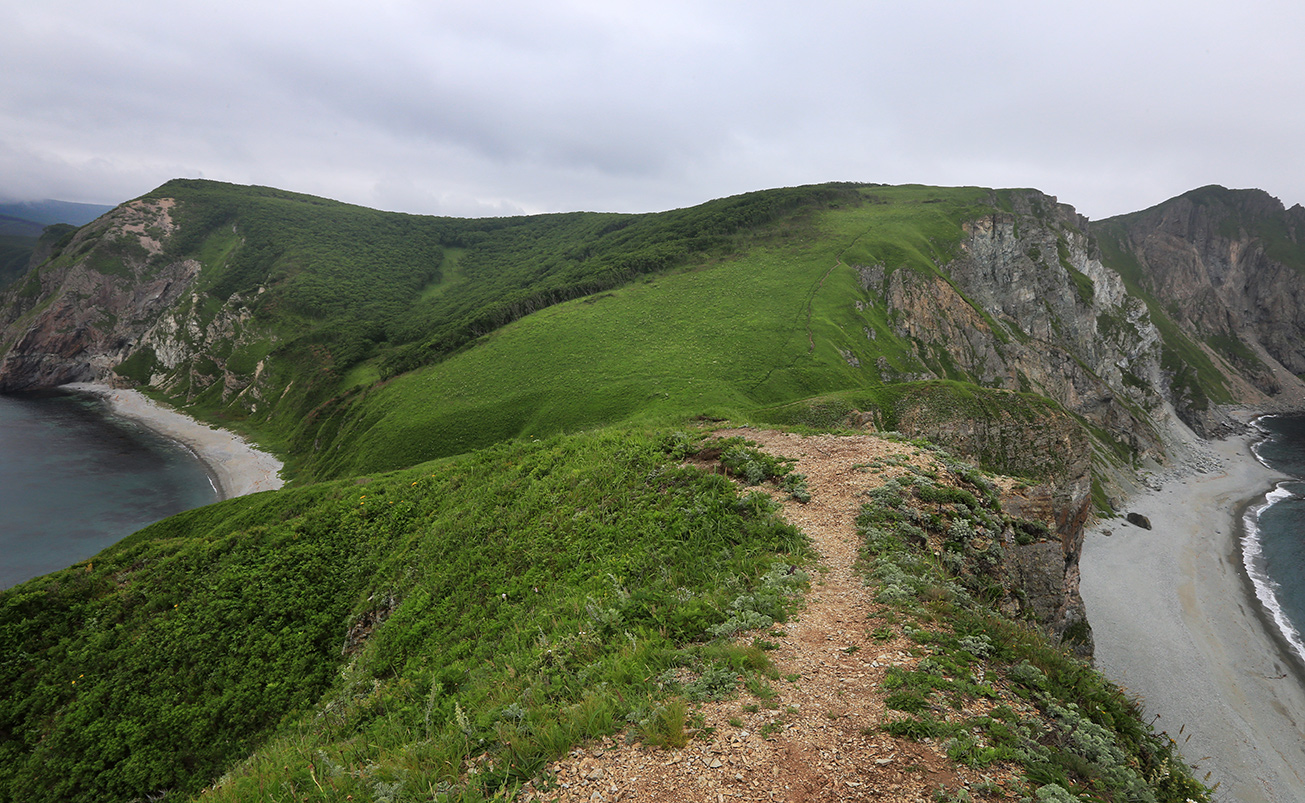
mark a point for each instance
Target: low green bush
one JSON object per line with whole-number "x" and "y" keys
{"x": 498, "y": 608}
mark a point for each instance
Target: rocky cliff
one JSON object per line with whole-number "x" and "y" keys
{"x": 1227, "y": 267}
{"x": 112, "y": 306}
{"x": 1029, "y": 306}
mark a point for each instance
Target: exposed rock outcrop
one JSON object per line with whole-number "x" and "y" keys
{"x": 1228, "y": 266}
{"x": 114, "y": 307}
{"x": 1029, "y": 306}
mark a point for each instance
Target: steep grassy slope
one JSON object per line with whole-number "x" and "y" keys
{"x": 776, "y": 323}
{"x": 552, "y": 580}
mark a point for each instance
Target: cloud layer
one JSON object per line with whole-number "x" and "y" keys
{"x": 496, "y": 108}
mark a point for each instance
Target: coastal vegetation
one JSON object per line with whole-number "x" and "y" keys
{"x": 932, "y": 545}
{"x": 509, "y": 529}
{"x": 378, "y": 631}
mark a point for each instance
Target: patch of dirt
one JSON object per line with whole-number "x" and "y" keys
{"x": 819, "y": 738}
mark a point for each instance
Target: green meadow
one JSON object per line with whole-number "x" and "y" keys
{"x": 720, "y": 339}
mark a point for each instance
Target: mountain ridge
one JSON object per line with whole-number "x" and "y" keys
{"x": 998, "y": 324}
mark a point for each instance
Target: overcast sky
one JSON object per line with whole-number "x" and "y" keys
{"x": 490, "y": 108}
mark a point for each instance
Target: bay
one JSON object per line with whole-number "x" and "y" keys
{"x": 75, "y": 479}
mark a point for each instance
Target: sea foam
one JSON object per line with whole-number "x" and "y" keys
{"x": 1266, "y": 588}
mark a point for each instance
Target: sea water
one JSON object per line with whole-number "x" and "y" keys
{"x": 1273, "y": 542}
{"x": 75, "y": 479}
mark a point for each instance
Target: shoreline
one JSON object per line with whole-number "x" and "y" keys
{"x": 234, "y": 466}
{"x": 1178, "y": 624}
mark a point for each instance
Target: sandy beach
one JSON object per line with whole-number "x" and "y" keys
{"x": 1177, "y": 624}
{"x": 237, "y": 468}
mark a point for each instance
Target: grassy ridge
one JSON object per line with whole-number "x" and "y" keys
{"x": 354, "y": 320}
{"x": 530, "y": 576}
{"x": 771, "y": 325}
{"x": 340, "y": 297}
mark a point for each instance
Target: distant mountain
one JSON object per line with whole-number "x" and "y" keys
{"x": 22, "y": 224}
{"x": 43, "y": 213}
{"x": 12, "y": 226}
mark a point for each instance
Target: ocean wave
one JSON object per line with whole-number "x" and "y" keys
{"x": 1265, "y": 436}
{"x": 1266, "y": 588}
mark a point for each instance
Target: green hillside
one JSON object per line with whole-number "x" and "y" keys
{"x": 506, "y": 532}
{"x": 721, "y": 338}
{"x": 343, "y": 296}
{"x": 527, "y": 577}
{"x": 381, "y": 340}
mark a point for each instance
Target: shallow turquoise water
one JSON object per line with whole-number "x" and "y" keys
{"x": 74, "y": 480}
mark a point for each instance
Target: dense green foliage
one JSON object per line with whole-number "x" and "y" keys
{"x": 504, "y": 604}
{"x": 15, "y": 253}
{"x": 767, "y": 325}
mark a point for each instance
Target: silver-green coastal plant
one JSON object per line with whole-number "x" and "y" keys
{"x": 766, "y": 604}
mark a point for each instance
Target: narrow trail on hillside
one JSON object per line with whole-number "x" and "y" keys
{"x": 818, "y": 738}
{"x": 811, "y": 303}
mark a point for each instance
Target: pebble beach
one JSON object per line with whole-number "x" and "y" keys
{"x": 235, "y": 466}
{"x": 1177, "y": 625}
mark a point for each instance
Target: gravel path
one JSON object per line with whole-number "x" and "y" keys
{"x": 821, "y": 737}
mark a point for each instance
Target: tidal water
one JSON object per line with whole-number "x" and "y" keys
{"x": 75, "y": 479}
{"x": 1273, "y": 546}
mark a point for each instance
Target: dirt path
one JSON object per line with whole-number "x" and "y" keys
{"x": 819, "y": 738}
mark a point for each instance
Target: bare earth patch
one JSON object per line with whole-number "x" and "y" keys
{"x": 818, "y": 739}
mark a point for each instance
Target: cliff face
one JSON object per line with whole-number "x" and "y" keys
{"x": 75, "y": 320}
{"x": 111, "y": 293}
{"x": 1229, "y": 262}
{"x": 1028, "y": 306}
{"x": 1228, "y": 267}
{"x": 114, "y": 306}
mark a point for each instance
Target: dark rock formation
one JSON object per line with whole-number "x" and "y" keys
{"x": 1228, "y": 266}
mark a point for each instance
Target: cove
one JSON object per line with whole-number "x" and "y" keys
{"x": 75, "y": 479}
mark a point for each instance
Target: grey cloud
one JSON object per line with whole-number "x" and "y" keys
{"x": 475, "y": 108}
